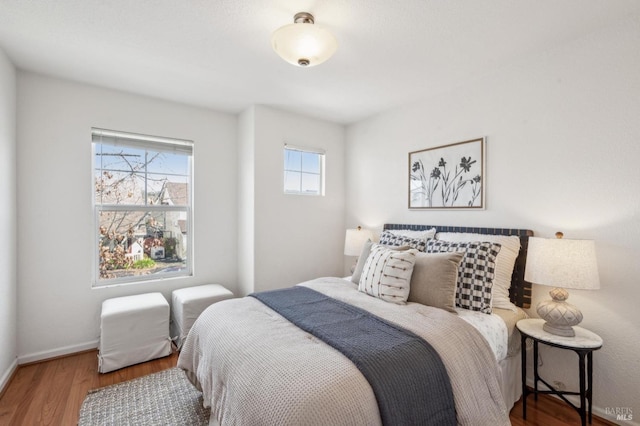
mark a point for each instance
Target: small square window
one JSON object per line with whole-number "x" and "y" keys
{"x": 303, "y": 171}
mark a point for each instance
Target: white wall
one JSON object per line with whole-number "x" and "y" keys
{"x": 8, "y": 224}
{"x": 58, "y": 311}
{"x": 246, "y": 201}
{"x": 296, "y": 238}
{"x": 563, "y": 143}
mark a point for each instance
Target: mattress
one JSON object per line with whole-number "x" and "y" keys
{"x": 254, "y": 366}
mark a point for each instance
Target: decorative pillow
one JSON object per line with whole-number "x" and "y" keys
{"x": 475, "y": 273}
{"x": 387, "y": 274}
{"x": 427, "y": 234}
{"x": 510, "y": 247}
{"x": 366, "y": 249}
{"x": 388, "y": 238}
{"x": 364, "y": 255}
{"x": 434, "y": 280}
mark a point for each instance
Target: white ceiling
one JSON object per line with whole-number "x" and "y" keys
{"x": 217, "y": 53}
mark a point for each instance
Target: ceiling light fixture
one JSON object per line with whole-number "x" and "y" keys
{"x": 303, "y": 43}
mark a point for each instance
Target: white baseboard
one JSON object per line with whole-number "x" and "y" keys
{"x": 65, "y": 350}
{"x": 4, "y": 380}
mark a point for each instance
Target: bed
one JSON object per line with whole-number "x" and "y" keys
{"x": 255, "y": 366}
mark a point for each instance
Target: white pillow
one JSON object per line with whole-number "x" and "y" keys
{"x": 505, "y": 262}
{"x": 387, "y": 274}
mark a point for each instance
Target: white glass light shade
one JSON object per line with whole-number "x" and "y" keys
{"x": 562, "y": 263}
{"x": 354, "y": 241}
{"x": 304, "y": 44}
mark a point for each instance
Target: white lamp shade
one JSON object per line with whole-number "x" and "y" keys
{"x": 354, "y": 241}
{"x": 304, "y": 42}
{"x": 562, "y": 263}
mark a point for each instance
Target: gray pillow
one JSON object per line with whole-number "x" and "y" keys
{"x": 357, "y": 272}
{"x": 434, "y": 279}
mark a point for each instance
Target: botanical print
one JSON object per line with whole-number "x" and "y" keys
{"x": 450, "y": 176}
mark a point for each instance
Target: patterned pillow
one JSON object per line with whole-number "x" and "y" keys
{"x": 506, "y": 259}
{"x": 475, "y": 273}
{"x": 387, "y": 274}
{"x": 364, "y": 255}
{"x": 426, "y": 234}
{"x": 388, "y": 238}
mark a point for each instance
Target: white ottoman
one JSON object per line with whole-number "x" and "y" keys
{"x": 188, "y": 303}
{"x": 133, "y": 329}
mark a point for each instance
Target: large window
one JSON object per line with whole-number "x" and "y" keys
{"x": 142, "y": 205}
{"x": 303, "y": 171}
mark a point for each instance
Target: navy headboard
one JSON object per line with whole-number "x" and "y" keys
{"x": 520, "y": 291}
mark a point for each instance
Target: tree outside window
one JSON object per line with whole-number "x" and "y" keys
{"x": 142, "y": 203}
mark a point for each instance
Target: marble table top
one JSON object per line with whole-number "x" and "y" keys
{"x": 583, "y": 339}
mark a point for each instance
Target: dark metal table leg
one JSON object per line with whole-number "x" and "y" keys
{"x": 590, "y": 383}
{"x": 535, "y": 369}
{"x": 583, "y": 408}
{"x": 523, "y": 349}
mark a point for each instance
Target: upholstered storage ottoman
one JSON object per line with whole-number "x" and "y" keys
{"x": 133, "y": 329}
{"x": 188, "y": 303}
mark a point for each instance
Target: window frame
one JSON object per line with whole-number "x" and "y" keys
{"x": 151, "y": 143}
{"x": 321, "y": 174}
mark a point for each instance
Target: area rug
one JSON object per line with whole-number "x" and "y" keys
{"x": 165, "y": 398}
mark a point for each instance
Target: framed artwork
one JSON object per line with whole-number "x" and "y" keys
{"x": 448, "y": 176}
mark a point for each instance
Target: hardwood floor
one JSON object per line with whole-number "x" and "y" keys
{"x": 51, "y": 393}
{"x": 549, "y": 411}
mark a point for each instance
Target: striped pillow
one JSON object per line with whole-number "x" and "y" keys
{"x": 387, "y": 274}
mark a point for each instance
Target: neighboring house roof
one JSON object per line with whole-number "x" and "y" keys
{"x": 176, "y": 194}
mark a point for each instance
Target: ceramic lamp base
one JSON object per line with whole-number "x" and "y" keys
{"x": 559, "y": 315}
{"x": 566, "y": 331}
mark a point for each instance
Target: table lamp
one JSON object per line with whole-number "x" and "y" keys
{"x": 561, "y": 263}
{"x": 354, "y": 241}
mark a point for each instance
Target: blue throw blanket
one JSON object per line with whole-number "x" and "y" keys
{"x": 406, "y": 374}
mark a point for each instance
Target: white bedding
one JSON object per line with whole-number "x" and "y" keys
{"x": 254, "y": 367}
{"x": 498, "y": 328}
{"x": 492, "y": 328}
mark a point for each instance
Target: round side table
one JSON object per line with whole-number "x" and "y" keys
{"x": 583, "y": 344}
